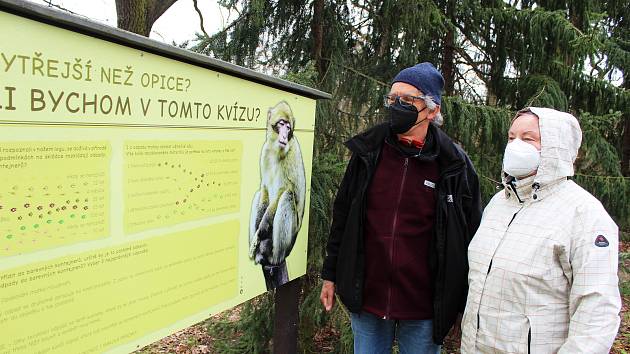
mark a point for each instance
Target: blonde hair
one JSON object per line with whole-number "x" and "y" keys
{"x": 523, "y": 112}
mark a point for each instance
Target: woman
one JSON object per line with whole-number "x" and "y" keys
{"x": 543, "y": 263}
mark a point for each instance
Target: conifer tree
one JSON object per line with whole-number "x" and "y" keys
{"x": 497, "y": 56}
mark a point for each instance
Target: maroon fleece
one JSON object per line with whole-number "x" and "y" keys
{"x": 398, "y": 228}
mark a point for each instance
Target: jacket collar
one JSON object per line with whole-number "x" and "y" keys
{"x": 528, "y": 189}
{"x": 371, "y": 140}
{"x": 521, "y": 190}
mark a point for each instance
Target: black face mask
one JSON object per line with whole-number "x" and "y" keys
{"x": 402, "y": 118}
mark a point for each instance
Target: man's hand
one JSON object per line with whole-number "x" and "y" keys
{"x": 327, "y": 296}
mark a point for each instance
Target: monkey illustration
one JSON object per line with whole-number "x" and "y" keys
{"x": 278, "y": 206}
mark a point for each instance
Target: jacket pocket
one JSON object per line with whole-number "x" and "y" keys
{"x": 508, "y": 335}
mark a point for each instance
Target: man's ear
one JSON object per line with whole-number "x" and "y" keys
{"x": 432, "y": 114}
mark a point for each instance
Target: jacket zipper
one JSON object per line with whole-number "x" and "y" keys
{"x": 449, "y": 172}
{"x": 391, "y": 249}
{"x": 502, "y": 238}
{"x": 492, "y": 259}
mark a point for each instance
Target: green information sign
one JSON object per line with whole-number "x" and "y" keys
{"x": 142, "y": 188}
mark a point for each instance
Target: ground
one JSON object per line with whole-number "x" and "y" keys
{"x": 196, "y": 340}
{"x": 622, "y": 343}
{"x": 192, "y": 340}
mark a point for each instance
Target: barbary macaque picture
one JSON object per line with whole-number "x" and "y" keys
{"x": 278, "y": 206}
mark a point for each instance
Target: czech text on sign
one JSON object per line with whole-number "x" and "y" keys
{"x": 138, "y": 194}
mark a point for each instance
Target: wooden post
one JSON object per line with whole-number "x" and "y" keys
{"x": 285, "y": 324}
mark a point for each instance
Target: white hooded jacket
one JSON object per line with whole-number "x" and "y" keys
{"x": 543, "y": 263}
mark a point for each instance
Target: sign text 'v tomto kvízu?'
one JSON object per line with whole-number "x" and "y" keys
{"x": 142, "y": 188}
{"x": 81, "y": 103}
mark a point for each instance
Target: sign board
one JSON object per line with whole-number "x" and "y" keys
{"x": 132, "y": 198}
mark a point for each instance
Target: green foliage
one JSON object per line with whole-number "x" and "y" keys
{"x": 541, "y": 91}
{"x": 327, "y": 172}
{"x": 613, "y": 192}
{"x": 340, "y": 319}
{"x": 624, "y": 277}
{"x": 589, "y": 94}
{"x": 550, "y": 53}
{"x": 482, "y": 132}
{"x": 601, "y": 144}
{"x": 252, "y": 333}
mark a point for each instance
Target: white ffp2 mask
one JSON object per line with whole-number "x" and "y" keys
{"x": 520, "y": 159}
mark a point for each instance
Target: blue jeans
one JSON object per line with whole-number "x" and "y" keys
{"x": 373, "y": 335}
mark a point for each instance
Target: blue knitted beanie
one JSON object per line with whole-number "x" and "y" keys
{"x": 424, "y": 77}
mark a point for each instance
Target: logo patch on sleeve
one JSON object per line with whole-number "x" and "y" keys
{"x": 601, "y": 241}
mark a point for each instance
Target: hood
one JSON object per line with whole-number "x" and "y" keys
{"x": 560, "y": 140}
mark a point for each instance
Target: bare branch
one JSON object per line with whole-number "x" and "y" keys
{"x": 200, "y": 18}
{"x": 471, "y": 62}
{"x": 462, "y": 81}
{"x": 358, "y": 73}
{"x": 50, "y": 4}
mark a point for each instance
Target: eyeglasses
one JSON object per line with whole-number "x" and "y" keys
{"x": 405, "y": 101}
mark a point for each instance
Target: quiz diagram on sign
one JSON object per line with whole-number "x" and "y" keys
{"x": 53, "y": 194}
{"x": 170, "y": 182}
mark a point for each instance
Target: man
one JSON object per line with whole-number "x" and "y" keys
{"x": 543, "y": 264}
{"x": 403, "y": 217}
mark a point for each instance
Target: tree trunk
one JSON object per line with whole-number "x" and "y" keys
{"x": 448, "y": 62}
{"x": 499, "y": 61}
{"x": 138, "y": 16}
{"x": 382, "y": 50}
{"x": 625, "y": 147}
{"x": 317, "y": 27}
{"x": 576, "y": 17}
{"x": 491, "y": 99}
{"x": 625, "y": 144}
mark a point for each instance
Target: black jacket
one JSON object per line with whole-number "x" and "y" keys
{"x": 458, "y": 213}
